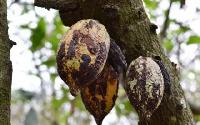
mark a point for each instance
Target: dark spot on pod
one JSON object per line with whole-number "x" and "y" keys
{"x": 61, "y": 51}
{"x": 81, "y": 81}
{"x": 75, "y": 74}
{"x": 132, "y": 73}
{"x": 101, "y": 57}
{"x": 151, "y": 104}
{"x": 76, "y": 35}
{"x": 73, "y": 43}
{"x": 142, "y": 82}
{"x": 71, "y": 51}
{"x": 59, "y": 57}
{"x": 91, "y": 46}
{"x": 103, "y": 86}
{"x": 95, "y": 99}
{"x": 86, "y": 60}
{"x": 90, "y": 24}
{"x": 156, "y": 87}
{"x": 103, "y": 104}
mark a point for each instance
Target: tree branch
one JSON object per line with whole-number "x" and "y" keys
{"x": 166, "y": 23}
{"x": 195, "y": 107}
{"x": 128, "y": 24}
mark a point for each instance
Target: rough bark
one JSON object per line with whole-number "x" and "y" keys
{"x": 5, "y": 67}
{"x": 129, "y": 25}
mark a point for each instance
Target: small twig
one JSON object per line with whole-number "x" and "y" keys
{"x": 165, "y": 25}
{"x": 195, "y": 107}
{"x": 12, "y": 43}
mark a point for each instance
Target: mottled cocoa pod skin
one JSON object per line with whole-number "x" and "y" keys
{"x": 100, "y": 96}
{"x": 82, "y": 54}
{"x": 144, "y": 86}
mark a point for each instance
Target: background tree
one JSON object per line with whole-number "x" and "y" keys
{"x": 5, "y": 67}
{"x": 54, "y": 100}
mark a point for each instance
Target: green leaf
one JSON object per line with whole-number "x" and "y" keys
{"x": 58, "y": 103}
{"x": 60, "y": 29}
{"x": 193, "y": 40}
{"x": 31, "y": 117}
{"x": 50, "y": 62}
{"x": 152, "y": 5}
{"x": 168, "y": 45}
{"x": 26, "y": 95}
{"x": 175, "y": 0}
{"x": 38, "y": 34}
{"x": 24, "y": 26}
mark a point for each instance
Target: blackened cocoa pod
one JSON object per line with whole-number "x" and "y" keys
{"x": 100, "y": 96}
{"x": 166, "y": 76}
{"x": 144, "y": 86}
{"x": 82, "y": 54}
{"x": 117, "y": 60}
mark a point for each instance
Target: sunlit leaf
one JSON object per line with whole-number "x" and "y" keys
{"x": 168, "y": 45}
{"x": 38, "y": 34}
{"x": 58, "y": 103}
{"x": 175, "y": 0}
{"x": 24, "y": 26}
{"x": 31, "y": 117}
{"x": 151, "y": 4}
{"x": 56, "y": 35}
{"x": 193, "y": 40}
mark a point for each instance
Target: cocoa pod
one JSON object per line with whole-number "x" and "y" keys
{"x": 82, "y": 54}
{"x": 144, "y": 86}
{"x": 100, "y": 96}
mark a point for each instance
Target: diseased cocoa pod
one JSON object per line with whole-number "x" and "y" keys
{"x": 144, "y": 86}
{"x": 99, "y": 97}
{"x": 82, "y": 54}
{"x": 166, "y": 77}
{"x": 117, "y": 60}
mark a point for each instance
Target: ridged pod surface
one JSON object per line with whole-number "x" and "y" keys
{"x": 99, "y": 97}
{"x": 82, "y": 54}
{"x": 144, "y": 86}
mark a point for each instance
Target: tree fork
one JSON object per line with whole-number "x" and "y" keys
{"x": 128, "y": 24}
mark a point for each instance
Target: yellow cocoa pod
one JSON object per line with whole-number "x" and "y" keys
{"x": 82, "y": 54}
{"x": 99, "y": 97}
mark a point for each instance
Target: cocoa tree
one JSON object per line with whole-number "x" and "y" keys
{"x": 129, "y": 25}
{"x": 5, "y": 66}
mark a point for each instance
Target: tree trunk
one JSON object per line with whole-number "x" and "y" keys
{"x": 129, "y": 25}
{"x": 5, "y": 67}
